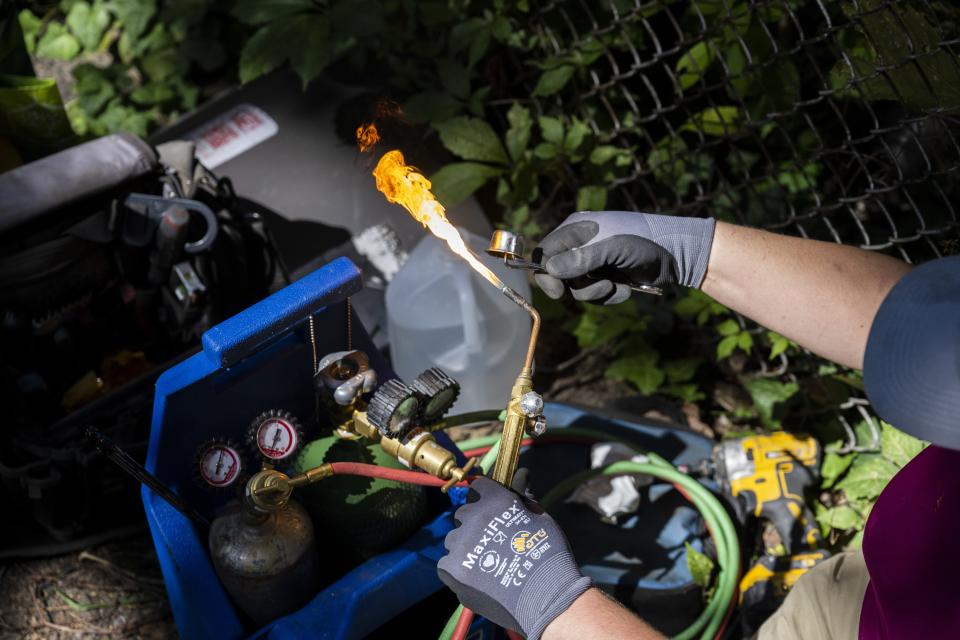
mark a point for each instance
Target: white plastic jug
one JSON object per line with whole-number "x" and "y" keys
{"x": 440, "y": 313}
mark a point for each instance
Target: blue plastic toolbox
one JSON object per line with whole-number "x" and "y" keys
{"x": 262, "y": 358}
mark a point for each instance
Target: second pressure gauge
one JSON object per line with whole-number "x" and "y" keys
{"x": 275, "y": 434}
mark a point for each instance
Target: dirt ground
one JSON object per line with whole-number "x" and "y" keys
{"x": 110, "y": 591}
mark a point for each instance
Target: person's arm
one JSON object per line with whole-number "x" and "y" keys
{"x": 595, "y": 615}
{"x": 821, "y": 295}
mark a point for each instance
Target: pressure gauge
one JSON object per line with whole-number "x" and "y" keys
{"x": 437, "y": 392}
{"x": 393, "y": 409}
{"x": 276, "y": 435}
{"x": 218, "y": 464}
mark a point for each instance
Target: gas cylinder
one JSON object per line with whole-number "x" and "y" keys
{"x": 374, "y": 514}
{"x": 267, "y": 561}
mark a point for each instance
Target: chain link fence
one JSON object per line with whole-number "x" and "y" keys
{"x": 829, "y": 120}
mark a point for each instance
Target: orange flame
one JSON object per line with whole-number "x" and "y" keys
{"x": 403, "y": 185}
{"x": 367, "y": 136}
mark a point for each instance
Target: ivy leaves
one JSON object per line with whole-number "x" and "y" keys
{"x": 301, "y": 33}
{"x": 857, "y": 479}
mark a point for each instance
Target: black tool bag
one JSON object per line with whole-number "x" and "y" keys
{"x": 114, "y": 258}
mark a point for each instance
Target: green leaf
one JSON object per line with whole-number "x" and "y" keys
{"x": 30, "y": 25}
{"x": 258, "y": 12}
{"x": 700, "y": 566}
{"x": 134, "y": 14}
{"x": 715, "y": 121}
{"x": 546, "y": 151}
{"x": 867, "y": 477}
{"x": 729, "y": 327}
{"x": 518, "y": 135}
{"x": 314, "y": 53}
{"x": 694, "y": 63}
{"x": 575, "y": 134}
{"x": 726, "y": 346}
{"x": 94, "y": 89}
{"x": 552, "y": 80}
{"x": 591, "y": 198}
{"x": 682, "y": 369}
{"x": 640, "y": 369}
{"x": 778, "y": 344}
{"x": 842, "y": 517}
{"x": 607, "y": 152}
{"x": 687, "y": 392}
{"x": 598, "y": 326}
{"x": 302, "y": 40}
{"x": 745, "y": 341}
{"x": 551, "y": 129}
{"x": 57, "y": 43}
{"x": 88, "y": 23}
{"x": 163, "y": 65}
{"x": 767, "y": 393}
{"x": 456, "y": 182}
{"x": 834, "y": 465}
{"x": 898, "y": 447}
{"x": 471, "y": 139}
{"x": 152, "y": 93}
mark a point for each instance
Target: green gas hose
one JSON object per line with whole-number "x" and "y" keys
{"x": 718, "y": 521}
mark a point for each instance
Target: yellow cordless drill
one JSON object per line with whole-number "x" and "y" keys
{"x": 767, "y": 475}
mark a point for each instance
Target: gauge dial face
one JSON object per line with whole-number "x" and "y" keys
{"x": 220, "y": 465}
{"x": 277, "y": 438}
{"x": 439, "y": 403}
{"x": 404, "y": 414}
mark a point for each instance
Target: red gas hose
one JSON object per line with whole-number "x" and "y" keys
{"x": 386, "y": 473}
{"x": 463, "y": 625}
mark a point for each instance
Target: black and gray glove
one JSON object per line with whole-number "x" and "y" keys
{"x": 509, "y": 561}
{"x": 617, "y": 248}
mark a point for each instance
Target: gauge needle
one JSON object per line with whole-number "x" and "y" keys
{"x": 276, "y": 438}
{"x": 216, "y": 470}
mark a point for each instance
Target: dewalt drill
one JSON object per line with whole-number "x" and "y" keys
{"x": 767, "y": 476}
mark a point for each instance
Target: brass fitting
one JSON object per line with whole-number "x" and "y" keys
{"x": 418, "y": 449}
{"x": 269, "y": 489}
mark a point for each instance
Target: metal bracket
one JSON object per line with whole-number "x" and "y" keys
{"x": 138, "y": 230}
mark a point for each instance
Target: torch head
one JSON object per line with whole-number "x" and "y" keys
{"x": 505, "y": 244}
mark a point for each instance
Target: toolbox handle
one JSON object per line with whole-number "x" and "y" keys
{"x": 235, "y": 338}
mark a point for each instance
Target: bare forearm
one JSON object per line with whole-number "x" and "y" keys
{"x": 819, "y": 294}
{"x": 594, "y": 615}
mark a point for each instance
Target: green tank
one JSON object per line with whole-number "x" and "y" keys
{"x": 370, "y": 513}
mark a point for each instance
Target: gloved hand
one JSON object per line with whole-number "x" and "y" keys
{"x": 638, "y": 248}
{"x": 509, "y": 561}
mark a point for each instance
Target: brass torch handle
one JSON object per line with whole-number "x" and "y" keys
{"x": 514, "y": 427}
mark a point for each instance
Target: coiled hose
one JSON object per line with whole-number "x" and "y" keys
{"x": 711, "y": 622}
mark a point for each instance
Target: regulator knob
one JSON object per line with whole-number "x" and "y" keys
{"x": 393, "y": 409}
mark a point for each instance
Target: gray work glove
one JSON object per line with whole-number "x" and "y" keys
{"x": 509, "y": 561}
{"x": 621, "y": 247}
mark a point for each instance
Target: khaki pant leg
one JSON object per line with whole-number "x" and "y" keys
{"x": 824, "y": 604}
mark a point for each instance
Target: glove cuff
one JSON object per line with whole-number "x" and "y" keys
{"x": 699, "y": 245}
{"x": 545, "y": 597}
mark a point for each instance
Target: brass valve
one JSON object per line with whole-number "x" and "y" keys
{"x": 269, "y": 489}
{"x": 418, "y": 449}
